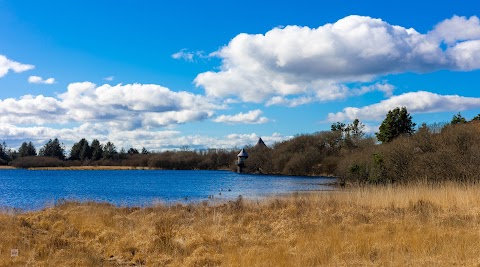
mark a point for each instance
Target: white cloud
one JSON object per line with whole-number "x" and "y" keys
{"x": 241, "y": 140}
{"x": 183, "y": 54}
{"x": 40, "y": 80}
{"x": 334, "y": 92}
{"x": 289, "y": 102}
{"x": 32, "y": 110}
{"x": 152, "y": 140}
{"x": 124, "y": 107}
{"x": 109, "y": 78}
{"x": 386, "y": 88}
{"x": 142, "y": 105}
{"x": 251, "y": 117}
{"x": 6, "y": 65}
{"x": 466, "y": 54}
{"x": 415, "y": 102}
{"x": 306, "y": 63}
{"x": 457, "y": 29}
{"x": 189, "y": 56}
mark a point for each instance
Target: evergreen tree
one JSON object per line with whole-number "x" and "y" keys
{"x": 12, "y": 154}
{"x": 4, "y": 154}
{"x": 132, "y": 151}
{"x": 97, "y": 150}
{"x": 338, "y": 127}
{"x": 144, "y": 150}
{"x": 476, "y": 118}
{"x": 27, "y": 149}
{"x": 53, "y": 148}
{"x": 81, "y": 151}
{"x": 109, "y": 151}
{"x": 458, "y": 118}
{"x": 397, "y": 122}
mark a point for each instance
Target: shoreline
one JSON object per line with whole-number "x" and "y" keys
{"x": 133, "y": 168}
{"x": 7, "y": 168}
{"x": 90, "y": 168}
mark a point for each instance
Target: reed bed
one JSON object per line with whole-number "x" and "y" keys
{"x": 414, "y": 225}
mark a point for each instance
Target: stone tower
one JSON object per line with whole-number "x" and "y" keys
{"x": 242, "y": 156}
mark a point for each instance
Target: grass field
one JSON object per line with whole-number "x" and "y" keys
{"x": 373, "y": 226}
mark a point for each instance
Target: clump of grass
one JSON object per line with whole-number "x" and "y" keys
{"x": 381, "y": 226}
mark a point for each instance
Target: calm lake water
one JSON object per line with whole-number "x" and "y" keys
{"x": 30, "y": 190}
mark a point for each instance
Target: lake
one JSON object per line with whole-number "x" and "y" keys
{"x": 31, "y": 190}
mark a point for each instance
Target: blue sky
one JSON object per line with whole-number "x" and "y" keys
{"x": 164, "y": 74}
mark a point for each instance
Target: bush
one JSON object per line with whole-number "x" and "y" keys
{"x": 38, "y": 161}
{"x": 453, "y": 154}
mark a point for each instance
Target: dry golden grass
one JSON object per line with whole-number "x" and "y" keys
{"x": 2, "y": 167}
{"x": 374, "y": 226}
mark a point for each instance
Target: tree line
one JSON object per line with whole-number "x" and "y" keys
{"x": 82, "y": 151}
{"x": 53, "y": 154}
{"x": 398, "y": 153}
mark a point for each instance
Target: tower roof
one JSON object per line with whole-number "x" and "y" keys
{"x": 260, "y": 143}
{"x": 243, "y": 153}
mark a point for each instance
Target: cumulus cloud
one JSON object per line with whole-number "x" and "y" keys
{"x": 315, "y": 63}
{"x": 415, "y": 102}
{"x": 6, "y": 65}
{"x": 251, "y": 117}
{"x": 131, "y": 115}
{"x": 334, "y": 92}
{"x": 40, "y": 134}
{"x": 40, "y": 80}
{"x": 146, "y": 105}
{"x": 457, "y": 29}
{"x": 129, "y": 106}
{"x": 30, "y": 109}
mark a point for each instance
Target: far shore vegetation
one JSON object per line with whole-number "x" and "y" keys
{"x": 399, "y": 152}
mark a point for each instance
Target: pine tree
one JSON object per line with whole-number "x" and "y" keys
{"x": 4, "y": 155}
{"x": 53, "y": 148}
{"x": 397, "y": 122}
{"x": 132, "y": 151}
{"x": 458, "y": 118}
{"x": 81, "y": 150}
{"x": 109, "y": 150}
{"x": 27, "y": 149}
{"x": 97, "y": 150}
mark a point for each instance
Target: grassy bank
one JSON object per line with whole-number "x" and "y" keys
{"x": 375, "y": 226}
{"x": 7, "y": 168}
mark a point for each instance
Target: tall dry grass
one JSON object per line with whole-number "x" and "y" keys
{"x": 373, "y": 226}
